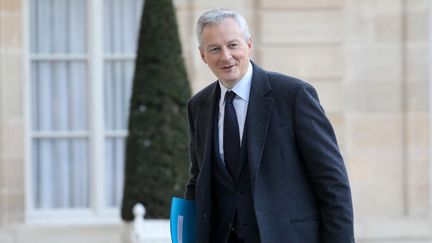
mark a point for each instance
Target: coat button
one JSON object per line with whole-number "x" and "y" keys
{"x": 231, "y": 226}
{"x": 238, "y": 193}
{"x": 204, "y": 215}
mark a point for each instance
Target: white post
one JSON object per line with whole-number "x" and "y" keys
{"x": 137, "y": 234}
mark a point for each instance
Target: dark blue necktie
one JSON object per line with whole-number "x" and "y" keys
{"x": 231, "y": 137}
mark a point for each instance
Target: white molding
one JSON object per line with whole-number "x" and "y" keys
{"x": 96, "y": 115}
{"x": 28, "y": 190}
{"x": 75, "y": 134}
{"x": 59, "y": 134}
{"x": 430, "y": 104}
{"x": 116, "y": 133}
{"x": 59, "y": 57}
{"x": 120, "y": 57}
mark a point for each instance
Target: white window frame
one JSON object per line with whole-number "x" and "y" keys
{"x": 430, "y": 103}
{"x": 97, "y": 211}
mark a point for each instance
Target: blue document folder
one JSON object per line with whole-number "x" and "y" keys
{"x": 183, "y": 221}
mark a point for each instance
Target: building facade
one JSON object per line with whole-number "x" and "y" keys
{"x": 65, "y": 73}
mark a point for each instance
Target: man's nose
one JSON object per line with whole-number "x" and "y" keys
{"x": 226, "y": 54}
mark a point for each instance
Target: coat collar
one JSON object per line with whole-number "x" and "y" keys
{"x": 205, "y": 118}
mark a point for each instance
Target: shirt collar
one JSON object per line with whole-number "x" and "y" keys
{"x": 242, "y": 88}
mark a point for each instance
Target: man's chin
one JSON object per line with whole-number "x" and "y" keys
{"x": 229, "y": 78}
{"x": 229, "y": 83}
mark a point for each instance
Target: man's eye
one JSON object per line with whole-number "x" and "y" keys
{"x": 214, "y": 49}
{"x": 233, "y": 45}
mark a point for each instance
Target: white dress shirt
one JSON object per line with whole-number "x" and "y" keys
{"x": 240, "y": 102}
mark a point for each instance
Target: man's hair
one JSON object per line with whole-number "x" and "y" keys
{"x": 216, "y": 16}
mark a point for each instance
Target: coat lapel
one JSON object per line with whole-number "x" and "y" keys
{"x": 258, "y": 119}
{"x": 205, "y": 117}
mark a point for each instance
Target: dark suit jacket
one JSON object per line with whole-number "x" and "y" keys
{"x": 300, "y": 187}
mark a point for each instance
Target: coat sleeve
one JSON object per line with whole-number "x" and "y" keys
{"x": 319, "y": 150}
{"x": 194, "y": 167}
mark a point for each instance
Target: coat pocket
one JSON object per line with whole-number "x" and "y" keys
{"x": 278, "y": 134}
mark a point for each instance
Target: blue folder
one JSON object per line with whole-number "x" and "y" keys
{"x": 183, "y": 221}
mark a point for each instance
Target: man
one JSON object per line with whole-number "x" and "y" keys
{"x": 265, "y": 164}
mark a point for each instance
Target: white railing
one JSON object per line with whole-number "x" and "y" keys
{"x": 137, "y": 234}
{"x": 147, "y": 231}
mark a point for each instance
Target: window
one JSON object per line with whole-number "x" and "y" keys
{"x": 82, "y": 56}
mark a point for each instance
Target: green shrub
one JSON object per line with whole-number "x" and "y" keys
{"x": 156, "y": 149}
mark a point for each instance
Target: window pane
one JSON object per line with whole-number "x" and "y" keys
{"x": 59, "y": 94}
{"x": 121, "y": 21}
{"x": 115, "y": 153}
{"x": 60, "y": 173}
{"x": 58, "y": 26}
{"x": 118, "y": 88}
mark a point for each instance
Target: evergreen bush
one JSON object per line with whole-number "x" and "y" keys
{"x": 157, "y": 144}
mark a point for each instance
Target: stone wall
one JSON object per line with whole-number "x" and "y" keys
{"x": 11, "y": 113}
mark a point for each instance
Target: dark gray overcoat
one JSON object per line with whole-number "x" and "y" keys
{"x": 300, "y": 187}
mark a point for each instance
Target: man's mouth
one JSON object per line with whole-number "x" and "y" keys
{"x": 228, "y": 66}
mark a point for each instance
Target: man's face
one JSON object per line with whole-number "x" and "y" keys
{"x": 226, "y": 51}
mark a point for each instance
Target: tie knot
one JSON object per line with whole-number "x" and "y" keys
{"x": 229, "y": 97}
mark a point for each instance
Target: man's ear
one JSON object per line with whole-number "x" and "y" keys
{"x": 202, "y": 55}
{"x": 250, "y": 46}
